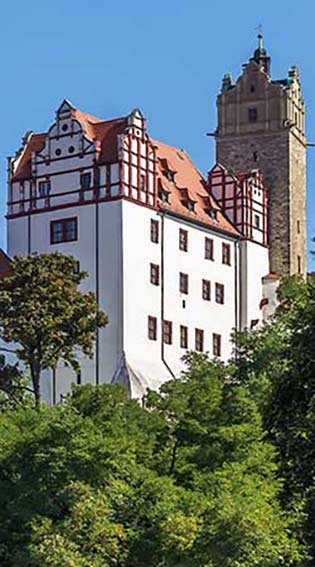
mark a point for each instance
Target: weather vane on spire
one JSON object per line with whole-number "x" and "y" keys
{"x": 260, "y": 37}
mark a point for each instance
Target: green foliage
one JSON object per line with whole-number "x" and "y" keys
{"x": 101, "y": 482}
{"x": 44, "y": 312}
{"x": 277, "y": 364}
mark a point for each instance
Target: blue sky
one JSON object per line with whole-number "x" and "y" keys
{"x": 166, "y": 57}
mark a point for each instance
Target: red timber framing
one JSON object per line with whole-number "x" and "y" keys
{"x": 243, "y": 199}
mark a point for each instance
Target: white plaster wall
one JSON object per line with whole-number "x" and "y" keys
{"x": 142, "y": 299}
{"x": 254, "y": 265}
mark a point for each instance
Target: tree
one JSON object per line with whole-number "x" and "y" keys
{"x": 44, "y": 312}
{"x": 101, "y": 481}
{"x": 277, "y": 364}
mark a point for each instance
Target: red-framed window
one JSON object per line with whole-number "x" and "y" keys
{"x": 154, "y": 231}
{"x": 167, "y": 332}
{"x": 206, "y": 290}
{"x": 219, "y": 293}
{"x": 183, "y": 283}
{"x": 199, "y": 334}
{"x": 183, "y": 336}
{"x": 216, "y": 344}
{"x": 86, "y": 180}
{"x": 226, "y": 253}
{"x": 183, "y": 240}
{"x": 64, "y": 230}
{"x": 152, "y": 328}
{"x": 154, "y": 274}
{"x": 209, "y": 248}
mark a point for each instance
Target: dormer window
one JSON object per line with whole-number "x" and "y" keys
{"x": 170, "y": 175}
{"x": 164, "y": 196}
{"x": 213, "y": 214}
{"x": 191, "y": 205}
{"x": 44, "y": 188}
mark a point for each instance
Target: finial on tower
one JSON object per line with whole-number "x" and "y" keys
{"x": 260, "y": 41}
{"x": 260, "y": 54}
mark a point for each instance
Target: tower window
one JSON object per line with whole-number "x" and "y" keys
{"x": 255, "y": 156}
{"x": 252, "y": 88}
{"x": 299, "y": 264}
{"x": 298, "y": 227}
{"x": 252, "y": 114}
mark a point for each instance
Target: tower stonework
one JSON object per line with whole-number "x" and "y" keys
{"x": 261, "y": 126}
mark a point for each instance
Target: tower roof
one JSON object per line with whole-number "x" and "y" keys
{"x": 261, "y": 56}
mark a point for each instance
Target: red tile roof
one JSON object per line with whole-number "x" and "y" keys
{"x": 271, "y": 277}
{"x": 188, "y": 183}
{"x": 5, "y": 265}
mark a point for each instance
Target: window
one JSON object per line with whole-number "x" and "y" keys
{"x": 199, "y": 340}
{"x": 44, "y": 188}
{"x": 191, "y": 206}
{"x": 170, "y": 175}
{"x": 183, "y": 240}
{"x": 154, "y": 235}
{"x": 164, "y": 196}
{"x": 226, "y": 254}
{"x": 213, "y": 213}
{"x": 252, "y": 88}
{"x": 154, "y": 274}
{"x": 64, "y": 230}
{"x": 298, "y": 227}
{"x": 252, "y": 114}
{"x": 216, "y": 344}
{"x": 206, "y": 290}
{"x": 152, "y": 328}
{"x": 219, "y": 293}
{"x": 299, "y": 264}
{"x": 183, "y": 283}
{"x": 85, "y": 181}
{"x": 142, "y": 182}
{"x": 256, "y": 221}
{"x": 208, "y": 248}
{"x": 183, "y": 336}
{"x": 167, "y": 332}
{"x": 76, "y": 270}
{"x": 255, "y": 156}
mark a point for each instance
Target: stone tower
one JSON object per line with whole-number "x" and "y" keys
{"x": 261, "y": 126}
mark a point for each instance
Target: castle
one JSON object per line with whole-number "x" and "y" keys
{"x": 175, "y": 259}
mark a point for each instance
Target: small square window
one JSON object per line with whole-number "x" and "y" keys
{"x": 152, "y": 328}
{"x": 154, "y": 274}
{"x": 183, "y": 336}
{"x": 183, "y": 240}
{"x": 85, "y": 181}
{"x": 199, "y": 340}
{"x": 257, "y": 221}
{"x": 44, "y": 188}
{"x": 154, "y": 231}
{"x": 216, "y": 344}
{"x": 167, "y": 332}
{"x": 252, "y": 114}
{"x": 208, "y": 248}
{"x": 219, "y": 293}
{"x": 183, "y": 283}
{"x": 226, "y": 254}
{"x": 206, "y": 290}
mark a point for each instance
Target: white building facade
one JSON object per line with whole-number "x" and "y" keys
{"x": 175, "y": 260}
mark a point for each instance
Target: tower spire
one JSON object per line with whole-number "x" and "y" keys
{"x": 260, "y": 54}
